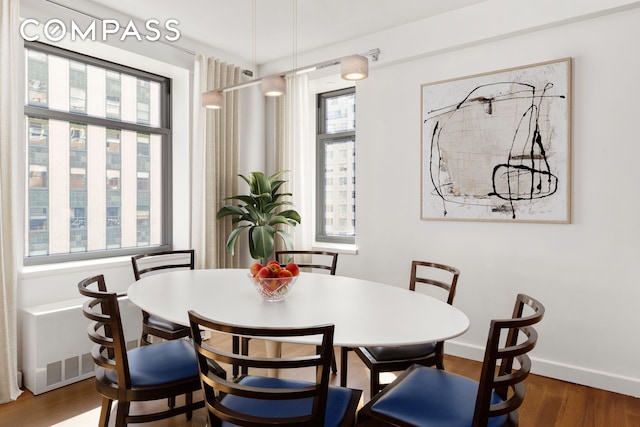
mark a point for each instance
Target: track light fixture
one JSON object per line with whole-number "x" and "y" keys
{"x": 353, "y": 67}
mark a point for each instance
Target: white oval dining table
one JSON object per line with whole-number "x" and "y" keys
{"x": 365, "y": 313}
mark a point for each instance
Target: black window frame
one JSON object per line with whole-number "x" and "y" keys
{"x": 164, "y": 130}
{"x": 322, "y": 139}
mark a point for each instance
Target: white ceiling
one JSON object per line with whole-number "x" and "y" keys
{"x": 228, "y": 25}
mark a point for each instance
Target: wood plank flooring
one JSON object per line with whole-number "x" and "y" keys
{"x": 548, "y": 402}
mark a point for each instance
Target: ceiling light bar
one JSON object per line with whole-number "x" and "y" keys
{"x": 373, "y": 53}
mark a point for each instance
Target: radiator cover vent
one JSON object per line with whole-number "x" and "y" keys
{"x": 55, "y": 349}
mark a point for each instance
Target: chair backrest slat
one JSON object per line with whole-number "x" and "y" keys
{"x": 505, "y": 380}
{"x": 110, "y": 351}
{"x": 441, "y": 272}
{"x": 147, "y": 263}
{"x": 284, "y": 257}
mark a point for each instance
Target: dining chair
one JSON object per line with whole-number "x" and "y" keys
{"x": 258, "y": 400}
{"x": 153, "y": 263}
{"x": 153, "y": 372}
{"x": 424, "y": 396}
{"x": 392, "y": 359}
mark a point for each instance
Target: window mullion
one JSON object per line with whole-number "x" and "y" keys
{"x": 43, "y": 113}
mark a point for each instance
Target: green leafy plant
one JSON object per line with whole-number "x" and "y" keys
{"x": 260, "y": 212}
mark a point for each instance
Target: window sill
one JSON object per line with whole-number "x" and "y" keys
{"x": 42, "y": 270}
{"x": 342, "y": 248}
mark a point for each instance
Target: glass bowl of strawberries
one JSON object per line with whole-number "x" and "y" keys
{"x": 273, "y": 281}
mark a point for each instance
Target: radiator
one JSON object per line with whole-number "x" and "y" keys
{"x": 55, "y": 348}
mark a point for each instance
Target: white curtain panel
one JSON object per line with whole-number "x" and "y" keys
{"x": 214, "y": 162}
{"x": 10, "y": 141}
{"x": 294, "y": 149}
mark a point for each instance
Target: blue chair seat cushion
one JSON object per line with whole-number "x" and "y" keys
{"x": 161, "y": 323}
{"x": 338, "y": 399}
{"x": 383, "y": 354}
{"x": 161, "y": 363}
{"x": 434, "y": 398}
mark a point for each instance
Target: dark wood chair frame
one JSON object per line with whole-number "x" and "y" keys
{"x": 283, "y": 257}
{"x": 150, "y": 329}
{"x": 504, "y": 380}
{"x": 435, "y": 358}
{"x": 216, "y": 387}
{"x": 110, "y": 353}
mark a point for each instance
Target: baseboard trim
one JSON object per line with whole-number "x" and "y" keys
{"x": 574, "y": 374}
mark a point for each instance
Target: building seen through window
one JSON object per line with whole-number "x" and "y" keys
{"x": 336, "y": 213}
{"x": 97, "y": 138}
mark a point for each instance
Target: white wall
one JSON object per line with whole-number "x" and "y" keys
{"x": 583, "y": 272}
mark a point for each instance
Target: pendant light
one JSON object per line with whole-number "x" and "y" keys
{"x": 274, "y": 86}
{"x": 212, "y": 99}
{"x": 354, "y": 67}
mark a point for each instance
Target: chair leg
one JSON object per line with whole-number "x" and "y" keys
{"x": 236, "y": 350}
{"x": 244, "y": 349}
{"x": 375, "y": 383}
{"x": 440, "y": 355}
{"x": 105, "y": 412}
{"x": 213, "y": 420}
{"x": 121, "y": 413}
{"x": 344, "y": 360}
{"x": 334, "y": 366}
{"x": 144, "y": 339}
{"x": 188, "y": 401}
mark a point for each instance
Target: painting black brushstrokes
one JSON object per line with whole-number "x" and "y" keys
{"x": 495, "y": 146}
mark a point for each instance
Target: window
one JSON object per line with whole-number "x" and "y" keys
{"x": 336, "y": 133}
{"x": 98, "y": 163}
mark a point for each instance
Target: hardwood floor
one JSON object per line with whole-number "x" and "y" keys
{"x": 548, "y": 402}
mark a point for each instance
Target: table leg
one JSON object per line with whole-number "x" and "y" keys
{"x": 274, "y": 349}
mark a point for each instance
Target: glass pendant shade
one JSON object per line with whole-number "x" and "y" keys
{"x": 212, "y": 99}
{"x": 274, "y": 86}
{"x": 354, "y": 67}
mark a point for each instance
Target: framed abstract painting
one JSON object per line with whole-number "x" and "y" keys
{"x": 496, "y": 146}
